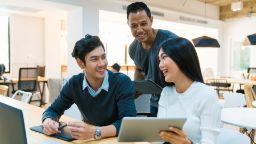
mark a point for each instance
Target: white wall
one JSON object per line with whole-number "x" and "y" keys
{"x": 42, "y": 38}
{"x": 52, "y": 47}
{"x": 90, "y": 20}
{"x": 36, "y": 41}
{"x": 74, "y": 33}
{"x": 26, "y": 42}
{"x": 235, "y": 30}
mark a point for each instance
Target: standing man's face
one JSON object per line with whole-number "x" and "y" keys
{"x": 95, "y": 64}
{"x": 140, "y": 25}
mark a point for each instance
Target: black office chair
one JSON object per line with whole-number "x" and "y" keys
{"x": 250, "y": 71}
{"x": 2, "y": 70}
{"x": 28, "y": 81}
{"x": 220, "y": 85}
{"x": 41, "y": 70}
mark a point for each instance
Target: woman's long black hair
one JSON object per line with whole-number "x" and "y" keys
{"x": 183, "y": 53}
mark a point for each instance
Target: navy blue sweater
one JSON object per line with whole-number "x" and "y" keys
{"x": 104, "y": 109}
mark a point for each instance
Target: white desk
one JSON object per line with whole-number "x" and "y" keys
{"x": 241, "y": 81}
{"x": 234, "y": 80}
{"x": 32, "y": 117}
{"x": 241, "y": 117}
{"x": 254, "y": 103}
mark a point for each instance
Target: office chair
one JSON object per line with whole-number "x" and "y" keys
{"x": 22, "y": 96}
{"x": 28, "y": 82}
{"x": 250, "y": 71}
{"x": 234, "y": 100}
{"x": 2, "y": 70}
{"x": 41, "y": 70}
{"x": 28, "y": 79}
{"x": 228, "y": 136}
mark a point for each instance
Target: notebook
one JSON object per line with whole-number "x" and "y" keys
{"x": 146, "y": 129}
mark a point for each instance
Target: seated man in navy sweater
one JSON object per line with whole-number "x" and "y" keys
{"x": 103, "y": 97}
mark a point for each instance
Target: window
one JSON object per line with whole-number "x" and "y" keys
{"x": 4, "y": 42}
{"x": 241, "y": 56}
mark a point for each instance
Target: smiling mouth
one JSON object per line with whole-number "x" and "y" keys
{"x": 140, "y": 36}
{"x": 101, "y": 70}
{"x": 165, "y": 72}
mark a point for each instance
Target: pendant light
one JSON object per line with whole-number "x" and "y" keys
{"x": 205, "y": 41}
{"x": 252, "y": 39}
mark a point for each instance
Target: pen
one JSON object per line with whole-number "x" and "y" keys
{"x": 62, "y": 126}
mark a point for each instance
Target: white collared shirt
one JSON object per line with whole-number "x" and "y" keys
{"x": 104, "y": 86}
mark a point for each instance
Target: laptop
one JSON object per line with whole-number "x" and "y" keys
{"x": 12, "y": 127}
{"x": 146, "y": 129}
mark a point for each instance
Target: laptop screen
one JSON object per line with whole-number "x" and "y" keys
{"x": 12, "y": 128}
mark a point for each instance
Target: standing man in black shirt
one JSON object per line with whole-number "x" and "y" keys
{"x": 145, "y": 47}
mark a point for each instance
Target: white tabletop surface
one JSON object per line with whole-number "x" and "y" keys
{"x": 235, "y": 80}
{"x": 241, "y": 81}
{"x": 254, "y": 103}
{"x": 241, "y": 117}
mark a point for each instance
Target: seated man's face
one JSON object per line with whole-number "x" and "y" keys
{"x": 96, "y": 63}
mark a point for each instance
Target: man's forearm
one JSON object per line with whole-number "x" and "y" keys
{"x": 138, "y": 74}
{"x": 108, "y": 131}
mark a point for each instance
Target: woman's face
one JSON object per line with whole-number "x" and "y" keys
{"x": 168, "y": 67}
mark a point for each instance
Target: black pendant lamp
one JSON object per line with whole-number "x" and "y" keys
{"x": 205, "y": 41}
{"x": 252, "y": 39}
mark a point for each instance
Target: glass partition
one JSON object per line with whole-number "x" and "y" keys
{"x": 4, "y": 42}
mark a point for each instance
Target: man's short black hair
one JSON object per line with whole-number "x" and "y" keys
{"x": 86, "y": 45}
{"x": 138, "y": 6}
{"x": 116, "y": 66}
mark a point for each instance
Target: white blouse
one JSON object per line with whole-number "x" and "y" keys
{"x": 200, "y": 105}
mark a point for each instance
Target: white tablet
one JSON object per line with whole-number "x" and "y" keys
{"x": 146, "y": 129}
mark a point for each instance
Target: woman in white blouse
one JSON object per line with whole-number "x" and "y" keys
{"x": 185, "y": 95}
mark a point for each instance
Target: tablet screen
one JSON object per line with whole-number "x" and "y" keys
{"x": 64, "y": 135}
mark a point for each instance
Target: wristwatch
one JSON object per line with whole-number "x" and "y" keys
{"x": 97, "y": 134}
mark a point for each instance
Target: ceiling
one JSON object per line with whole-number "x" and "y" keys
{"x": 221, "y": 2}
{"x": 40, "y": 8}
{"x": 49, "y": 8}
{"x": 248, "y": 10}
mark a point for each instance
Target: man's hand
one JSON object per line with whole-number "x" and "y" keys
{"x": 81, "y": 130}
{"x": 138, "y": 74}
{"x": 50, "y": 127}
{"x": 137, "y": 94}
